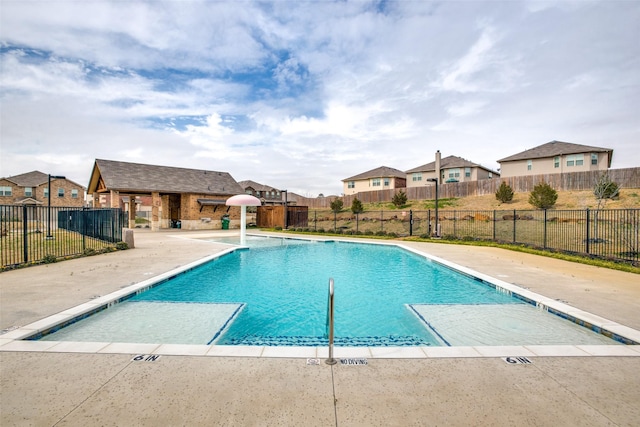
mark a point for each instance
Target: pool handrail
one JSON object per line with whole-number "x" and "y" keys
{"x": 330, "y": 360}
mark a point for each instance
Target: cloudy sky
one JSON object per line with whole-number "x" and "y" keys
{"x": 302, "y": 94}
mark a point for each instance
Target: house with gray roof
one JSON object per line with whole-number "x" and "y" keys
{"x": 193, "y": 198}
{"x": 268, "y": 195}
{"x": 556, "y": 157}
{"x": 380, "y": 178}
{"x": 448, "y": 169}
{"x": 32, "y": 188}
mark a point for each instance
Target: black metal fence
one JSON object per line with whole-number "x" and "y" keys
{"x": 611, "y": 233}
{"x": 31, "y": 234}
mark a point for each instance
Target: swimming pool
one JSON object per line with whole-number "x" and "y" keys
{"x": 275, "y": 294}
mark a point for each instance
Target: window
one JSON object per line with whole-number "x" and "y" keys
{"x": 467, "y": 172}
{"x": 575, "y": 160}
{"x": 60, "y": 192}
{"x": 375, "y": 182}
{"x": 594, "y": 158}
{"x": 46, "y": 192}
{"x": 28, "y": 191}
{"x": 454, "y": 173}
{"x": 556, "y": 162}
{"x": 74, "y": 194}
{"x": 417, "y": 176}
{"x": 351, "y": 184}
{"x": 5, "y": 191}
{"x": 387, "y": 181}
{"x": 490, "y": 175}
{"x": 529, "y": 164}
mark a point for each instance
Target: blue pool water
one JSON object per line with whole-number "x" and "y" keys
{"x": 275, "y": 293}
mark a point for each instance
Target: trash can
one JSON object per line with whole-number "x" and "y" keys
{"x": 225, "y": 222}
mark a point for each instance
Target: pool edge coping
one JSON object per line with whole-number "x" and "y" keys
{"x": 16, "y": 340}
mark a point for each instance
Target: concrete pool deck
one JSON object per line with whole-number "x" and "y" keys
{"x": 92, "y": 388}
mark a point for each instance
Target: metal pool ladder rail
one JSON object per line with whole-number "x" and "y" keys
{"x": 330, "y": 360}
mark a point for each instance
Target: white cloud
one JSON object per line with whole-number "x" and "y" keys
{"x": 303, "y": 95}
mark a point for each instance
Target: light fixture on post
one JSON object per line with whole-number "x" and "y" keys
{"x": 49, "y": 236}
{"x": 435, "y": 180}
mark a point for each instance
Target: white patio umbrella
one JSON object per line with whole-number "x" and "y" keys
{"x": 243, "y": 200}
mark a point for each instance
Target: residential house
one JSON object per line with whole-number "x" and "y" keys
{"x": 556, "y": 157}
{"x": 266, "y": 194}
{"x": 449, "y": 169}
{"x": 32, "y": 188}
{"x": 381, "y": 178}
{"x": 193, "y": 198}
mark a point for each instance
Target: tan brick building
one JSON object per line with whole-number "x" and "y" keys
{"x": 32, "y": 188}
{"x": 193, "y": 198}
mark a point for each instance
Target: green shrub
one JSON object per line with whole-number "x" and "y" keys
{"x": 504, "y": 193}
{"x": 356, "y": 206}
{"x": 399, "y": 199}
{"x": 121, "y": 246}
{"x": 543, "y": 196}
{"x": 49, "y": 259}
{"x": 336, "y": 205}
{"x": 380, "y": 233}
{"x": 605, "y": 188}
{"x": 369, "y": 233}
{"x": 277, "y": 228}
{"x": 320, "y": 230}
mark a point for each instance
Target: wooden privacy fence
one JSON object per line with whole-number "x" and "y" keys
{"x": 274, "y": 216}
{"x": 572, "y": 181}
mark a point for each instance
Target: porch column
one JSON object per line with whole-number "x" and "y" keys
{"x": 115, "y": 199}
{"x": 156, "y": 202}
{"x": 132, "y": 211}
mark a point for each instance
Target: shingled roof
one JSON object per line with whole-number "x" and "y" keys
{"x": 556, "y": 148}
{"x": 142, "y": 178}
{"x": 381, "y": 172}
{"x": 448, "y": 163}
{"x": 256, "y": 186}
{"x": 33, "y": 179}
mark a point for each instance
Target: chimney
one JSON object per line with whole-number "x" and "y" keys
{"x": 438, "y": 167}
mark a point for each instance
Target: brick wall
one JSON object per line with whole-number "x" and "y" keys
{"x": 38, "y": 193}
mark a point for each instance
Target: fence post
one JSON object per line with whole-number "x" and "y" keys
{"x": 25, "y": 243}
{"x": 494, "y": 225}
{"x": 514, "y": 226}
{"x": 455, "y": 235}
{"x": 429, "y": 221}
{"x": 381, "y": 220}
{"x": 410, "y": 222}
{"x": 544, "y": 243}
{"x": 84, "y": 228}
{"x": 315, "y": 220}
{"x": 588, "y": 233}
